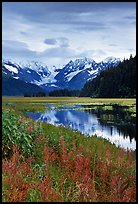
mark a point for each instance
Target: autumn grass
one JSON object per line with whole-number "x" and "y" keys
{"x": 44, "y": 163}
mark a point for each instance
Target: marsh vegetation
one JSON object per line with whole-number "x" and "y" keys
{"x": 43, "y": 162}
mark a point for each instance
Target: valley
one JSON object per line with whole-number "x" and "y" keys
{"x": 68, "y": 102}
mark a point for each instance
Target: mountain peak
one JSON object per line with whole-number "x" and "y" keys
{"x": 111, "y": 59}
{"x": 84, "y": 60}
{"x": 36, "y": 66}
{"x": 73, "y": 75}
{"x": 78, "y": 64}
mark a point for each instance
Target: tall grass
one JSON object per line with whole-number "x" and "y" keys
{"x": 55, "y": 164}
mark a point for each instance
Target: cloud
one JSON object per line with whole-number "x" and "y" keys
{"x": 69, "y": 53}
{"x": 113, "y": 45}
{"x": 50, "y": 41}
{"x": 24, "y": 33}
{"x": 60, "y": 41}
{"x": 14, "y": 45}
{"x": 130, "y": 17}
{"x": 61, "y": 52}
{"x": 90, "y": 26}
{"x": 16, "y": 49}
{"x": 63, "y": 30}
{"x": 69, "y": 14}
{"x": 131, "y": 50}
{"x": 96, "y": 54}
{"x": 63, "y": 42}
{"x": 20, "y": 50}
{"x": 45, "y": 8}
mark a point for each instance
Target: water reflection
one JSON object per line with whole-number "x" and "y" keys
{"x": 118, "y": 117}
{"x": 89, "y": 123}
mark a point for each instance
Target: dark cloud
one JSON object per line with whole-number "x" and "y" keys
{"x": 73, "y": 16}
{"x": 61, "y": 12}
{"x": 50, "y": 41}
{"x": 61, "y": 41}
{"x": 45, "y": 7}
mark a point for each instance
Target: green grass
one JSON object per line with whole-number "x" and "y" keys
{"x": 123, "y": 101}
{"x": 37, "y": 103}
{"x": 42, "y": 162}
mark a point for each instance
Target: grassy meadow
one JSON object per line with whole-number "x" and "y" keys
{"x": 45, "y": 163}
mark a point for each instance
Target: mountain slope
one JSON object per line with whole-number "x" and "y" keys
{"x": 15, "y": 87}
{"x": 115, "y": 82}
{"x": 75, "y": 74}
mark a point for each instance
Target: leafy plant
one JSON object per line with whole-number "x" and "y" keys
{"x": 20, "y": 131}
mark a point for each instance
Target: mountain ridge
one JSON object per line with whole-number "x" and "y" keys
{"x": 73, "y": 75}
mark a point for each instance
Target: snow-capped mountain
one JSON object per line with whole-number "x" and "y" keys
{"x": 32, "y": 72}
{"x": 73, "y": 75}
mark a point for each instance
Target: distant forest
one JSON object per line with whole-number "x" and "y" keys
{"x": 115, "y": 82}
{"x": 64, "y": 92}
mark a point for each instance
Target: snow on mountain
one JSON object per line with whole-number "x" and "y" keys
{"x": 47, "y": 79}
{"x": 32, "y": 72}
{"x": 73, "y": 75}
{"x": 39, "y": 68}
{"x": 16, "y": 77}
{"x": 111, "y": 60}
{"x": 11, "y": 68}
{"x": 78, "y": 64}
{"x": 9, "y": 61}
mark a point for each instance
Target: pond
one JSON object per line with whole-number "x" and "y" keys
{"x": 115, "y": 125}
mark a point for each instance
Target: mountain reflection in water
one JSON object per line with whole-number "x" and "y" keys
{"x": 90, "y": 123}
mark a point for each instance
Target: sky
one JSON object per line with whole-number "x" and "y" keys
{"x": 56, "y": 32}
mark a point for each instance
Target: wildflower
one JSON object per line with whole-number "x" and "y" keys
{"x": 24, "y": 186}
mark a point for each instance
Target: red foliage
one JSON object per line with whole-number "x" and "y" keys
{"x": 47, "y": 191}
{"x": 15, "y": 170}
{"x": 120, "y": 192}
{"x": 83, "y": 178}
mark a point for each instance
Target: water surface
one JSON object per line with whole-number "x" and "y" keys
{"x": 111, "y": 126}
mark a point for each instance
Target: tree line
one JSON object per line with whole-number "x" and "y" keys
{"x": 115, "y": 82}
{"x": 38, "y": 94}
{"x": 59, "y": 92}
{"x": 64, "y": 92}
